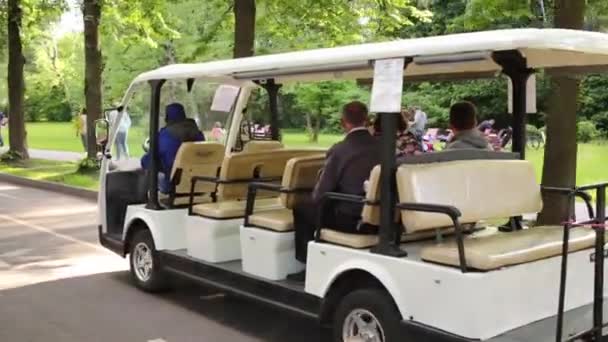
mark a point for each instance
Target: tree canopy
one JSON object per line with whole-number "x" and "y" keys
{"x": 143, "y": 34}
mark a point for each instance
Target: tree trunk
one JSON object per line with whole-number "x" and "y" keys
{"x": 171, "y": 58}
{"x": 244, "y": 28}
{"x": 559, "y": 168}
{"x": 16, "y": 83}
{"x": 91, "y": 10}
{"x": 315, "y": 133}
{"x": 309, "y": 128}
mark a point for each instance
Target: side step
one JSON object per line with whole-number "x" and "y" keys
{"x": 230, "y": 278}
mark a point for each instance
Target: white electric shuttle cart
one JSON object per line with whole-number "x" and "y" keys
{"x": 427, "y": 275}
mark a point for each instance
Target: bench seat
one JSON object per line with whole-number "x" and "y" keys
{"x": 361, "y": 241}
{"x": 498, "y": 250}
{"x": 233, "y": 209}
{"x": 280, "y": 220}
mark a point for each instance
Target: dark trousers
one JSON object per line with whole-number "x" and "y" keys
{"x": 305, "y": 217}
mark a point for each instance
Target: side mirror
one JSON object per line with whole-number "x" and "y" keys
{"x": 102, "y": 128}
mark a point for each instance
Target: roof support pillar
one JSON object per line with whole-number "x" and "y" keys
{"x": 390, "y": 231}
{"x": 515, "y": 66}
{"x": 272, "y": 89}
{"x": 156, "y": 86}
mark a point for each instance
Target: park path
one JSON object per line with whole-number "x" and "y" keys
{"x": 52, "y": 155}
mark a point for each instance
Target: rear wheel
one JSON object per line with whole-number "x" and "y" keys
{"x": 366, "y": 315}
{"x": 145, "y": 263}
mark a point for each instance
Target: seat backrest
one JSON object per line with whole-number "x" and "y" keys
{"x": 196, "y": 159}
{"x": 247, "y": 166}
{"x": 480, "y": 189}
{"x": 300, "y": 173}
{"x": 371, "y": 213}
{"x": 262, "y": 145}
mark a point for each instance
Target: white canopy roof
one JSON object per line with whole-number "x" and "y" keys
{"x": 465, "y": 53}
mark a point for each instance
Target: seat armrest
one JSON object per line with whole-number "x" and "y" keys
{"x": 577, "y": 192}
{"x": 451, "y": 211}
{"x": 196, "y": 179}
{"x": 329, "y": 197}
{"x": 263, "y": 184}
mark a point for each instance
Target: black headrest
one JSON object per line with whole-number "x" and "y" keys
{"x": 453, "y": 155}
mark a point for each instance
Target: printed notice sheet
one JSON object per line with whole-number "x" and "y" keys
{"x": 387, "y": 87}
{"x": 224, "y": 98}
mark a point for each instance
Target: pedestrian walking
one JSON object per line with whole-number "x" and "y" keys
{"x": 3, "y": 121}
{"x": 122, "y": 131}
{"x": 80, "y": 122}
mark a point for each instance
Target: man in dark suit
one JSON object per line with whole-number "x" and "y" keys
{"x": 347, "y": 166}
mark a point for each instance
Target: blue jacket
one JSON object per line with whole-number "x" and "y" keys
{"x": 170, "y": 138}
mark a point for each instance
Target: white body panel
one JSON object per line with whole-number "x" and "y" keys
{"x": 213, "y": 240}
{"x": 167, "y": 226}
{"x": 269, "y": 254}
{"x": 473, "y": 305}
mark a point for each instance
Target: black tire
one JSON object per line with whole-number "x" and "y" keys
{"x": 375, "y": 301}
{"x": 157, "y": 280}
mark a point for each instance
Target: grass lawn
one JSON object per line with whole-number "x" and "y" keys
{"x": 592, "y": 158}
{"x": 52, "y": 171}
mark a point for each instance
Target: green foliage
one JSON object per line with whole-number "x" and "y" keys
{"x": 47, "y": 103}
{"x": 586, "y": 131}
{"x": 321, "y": 103}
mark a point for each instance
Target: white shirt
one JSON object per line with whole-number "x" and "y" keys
{"x": 125, "y": 121}
{"x": 420, "y": 120}
{"x": 362, "y": 128}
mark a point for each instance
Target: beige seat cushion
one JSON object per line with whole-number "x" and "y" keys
{"x": 233, "y": 209}
{"x": 185, "y": 200}
{"x": 197, "y": 159}
{"x": 480, "y": 189}
{"x": 369, "y": 240}
{"x": 244, "y": 166}
{"x": 504, "y": 249}
{"x": 349, "y": 239}
{"x": 371, "y": 213}
{"x": 280, "y": 220}
{"x": 262, "y": 145}
{"x": 300, "y": 173}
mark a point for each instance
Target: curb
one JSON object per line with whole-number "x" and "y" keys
{"x": 50, "y": 186}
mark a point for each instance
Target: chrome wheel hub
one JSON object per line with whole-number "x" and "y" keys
{"x": 362, "y": 326}
{"x": 142, "y": 261}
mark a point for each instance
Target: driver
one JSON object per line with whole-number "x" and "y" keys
{"x": 178, "y": 129}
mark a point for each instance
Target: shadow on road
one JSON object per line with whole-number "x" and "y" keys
{"x": 254, "y": 319}
{"x": 107, "y": 307}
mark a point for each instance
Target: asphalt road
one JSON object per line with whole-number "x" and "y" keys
{"x": 58, "y": 284}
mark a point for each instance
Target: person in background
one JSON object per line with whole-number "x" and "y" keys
{"x": 122, "y": 149}
{"x": 217, "y": 133}
{"x": 463, "y": 122}
{"x": 486, "y": 125}
{"x": 420, "y": 120}
{"x": 178, "y": 129}
{"x": 347, "y": 166}
{"x": 407, "y": 142}
{"x": 2, "y": 123}
{"x": 80, "y": 122}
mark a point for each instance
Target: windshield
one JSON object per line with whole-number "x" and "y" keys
{"x": 210, "y": 105}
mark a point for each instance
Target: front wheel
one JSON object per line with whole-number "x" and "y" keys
{"x": 366, "y": 315}
{"x": 145, "y": 264}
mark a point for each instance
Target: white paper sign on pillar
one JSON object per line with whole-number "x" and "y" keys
{"x": 224, "y": 98}
{"x": 530, "y": 95}
{"x": 388, "y": 86}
